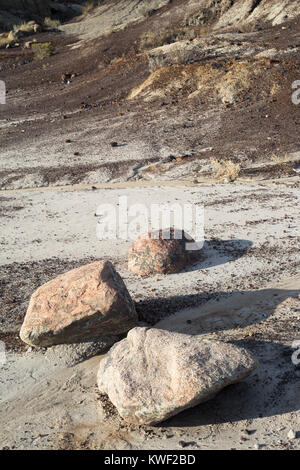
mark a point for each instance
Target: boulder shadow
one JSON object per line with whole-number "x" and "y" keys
{"x": 273, "y": 388}
{"x": 216, "y": 252}
{"x": 211, "y": 311}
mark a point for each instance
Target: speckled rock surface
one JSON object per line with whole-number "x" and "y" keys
{"x": 87, "y": 302}
{"x": 161, "y": 252}
{"x": 154, "y": 374}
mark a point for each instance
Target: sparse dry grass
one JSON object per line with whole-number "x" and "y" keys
{"x": 42, "y": 50}
{"x": 17, "y": 32}
{"x": 277, "y": 159}
{"x": 211, "y": 81}
{"x": 226, "y": 170}
{"x": 276, "y": 88}
{"x": 8, "y": 39}
{"x": 178, "y": 56}
{"x": 24, "y": 27}
{"x": 117, "y": 60}
{"x": 153, "y": 39}
{"x": 247, "y": 27}
{"x": 155, "y": 62}
{"x": 50, "y": 23}
{"x": 235, "y": 83}
{"x": 89, "y": 6}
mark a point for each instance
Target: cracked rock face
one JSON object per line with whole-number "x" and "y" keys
{"x": 161, "y": 251}
{"x": 154, "y": 374}
{"x": 87, "y": 302}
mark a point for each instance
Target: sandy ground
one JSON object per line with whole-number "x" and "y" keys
{"x": 251, "y": 235}
{"x": 49, "y": 406}
{"x": 57, "y": 167}
{"x": 107, "y": 17}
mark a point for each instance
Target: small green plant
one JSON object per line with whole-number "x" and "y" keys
{"x": 42, "y": 50}
{"x": 50, "y": 23}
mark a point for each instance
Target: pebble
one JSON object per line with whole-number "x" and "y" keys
{"x": 292, "y": 434}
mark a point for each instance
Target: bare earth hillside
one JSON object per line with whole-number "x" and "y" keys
{"x": 161, "y": 101}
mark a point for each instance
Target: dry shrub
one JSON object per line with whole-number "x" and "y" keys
{"x": 24, "y": 27}
{"x": 276, "y": 88}
{"x": 18, "y": 31}
{"x": 235, "y": 83}
{"x": 170, "y": 79}
{"x": 277, "y": 159}
{"x": 211, "y": 81}
{"x": 179, "y": 55}
{"x": 42, "y": 50}
{"x": 155, "y": 62}
{"x": 117, "y": 60}
{"x": 7, "y": 39}
{"x": 226, "y": 170}
{"x": 247, "y": 27}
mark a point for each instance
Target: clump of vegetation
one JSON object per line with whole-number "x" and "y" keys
{"x": 247, "y": 27}
{"x": 50, "y": 23}
{"x": 197, "y": 19}
{"x": 42, "y": 50}
{"x": 26, "y": 28}
{"x": 7, "y": 39}
{"x": 226, "y": 170}
{"x": 89, "y": 6}
{"x": 17, "y": 33}
{"x": 177, "y": 56}
{"x": 276, "y": 88}
{"x": 152, "y": 39}
{"x": 278, "y": 159}
{"x": 117, "y": 60}
{"x": 155, "y": 62}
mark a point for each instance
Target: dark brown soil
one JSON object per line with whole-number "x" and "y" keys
{"x": 253, "y": 127}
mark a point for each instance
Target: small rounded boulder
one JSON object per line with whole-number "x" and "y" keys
{"x": 162, "y": 252}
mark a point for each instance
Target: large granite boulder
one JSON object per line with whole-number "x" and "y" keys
{"x": 88, "y": 302}
{"x": 161, "y": 251}
{"x": 154, "y": 374}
